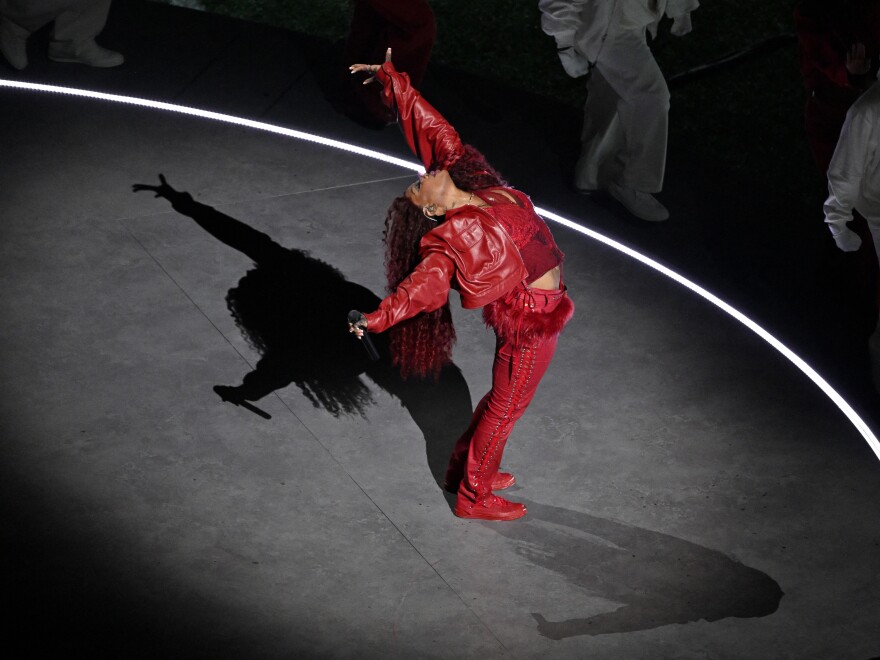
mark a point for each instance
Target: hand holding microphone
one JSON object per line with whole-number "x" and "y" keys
{"x": 357, "y": 324}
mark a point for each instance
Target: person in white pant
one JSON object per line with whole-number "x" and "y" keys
{"x": 76, "y": 24}
{"x": 626, "y": 112}
{"x": 854, "y": 187}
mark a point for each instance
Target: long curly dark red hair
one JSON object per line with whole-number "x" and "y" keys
{"x": 422, "y": 346}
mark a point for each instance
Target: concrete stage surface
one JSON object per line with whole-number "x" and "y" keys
{"x": 691, "y": 494}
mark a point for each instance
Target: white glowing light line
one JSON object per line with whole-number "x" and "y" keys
{"x": 820, "y": 382}
{"x": 811, "y": 373}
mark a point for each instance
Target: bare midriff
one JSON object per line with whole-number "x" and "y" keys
{"x": 549, "y": 280}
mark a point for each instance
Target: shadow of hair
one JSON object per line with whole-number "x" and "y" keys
{"x": 292, "y": 309}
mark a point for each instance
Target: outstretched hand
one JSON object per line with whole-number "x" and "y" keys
{"x": 370, "y": 68}
{"x": 856, "y": 61}
{"x": 682, "y": 25}
{"x": 162, "y": 190}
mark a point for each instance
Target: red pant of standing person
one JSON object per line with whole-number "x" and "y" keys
{"x": 527, "y": 326}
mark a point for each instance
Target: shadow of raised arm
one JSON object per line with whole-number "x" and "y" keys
{"x": 234, "y": 233}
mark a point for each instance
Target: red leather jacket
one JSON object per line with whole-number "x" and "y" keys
{"x": 470, "y": 251}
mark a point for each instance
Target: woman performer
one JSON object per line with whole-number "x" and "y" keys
{"x": 460, "y": 226}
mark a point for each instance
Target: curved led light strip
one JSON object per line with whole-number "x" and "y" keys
{"x": 829, "y": 391}
{"x": 811, "y": 373}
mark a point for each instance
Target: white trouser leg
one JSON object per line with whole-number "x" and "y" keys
{"x": 75, "y": 20}
{"x": 642, "y": 107}
{"x": 22, "y": 17}
{"x": 601, "y": 137}
{"x": 81, "y": 21}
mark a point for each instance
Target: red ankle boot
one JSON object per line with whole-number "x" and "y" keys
{"x": 490, "y": 507}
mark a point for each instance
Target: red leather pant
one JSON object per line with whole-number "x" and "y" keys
{"x": 519, "y": 365}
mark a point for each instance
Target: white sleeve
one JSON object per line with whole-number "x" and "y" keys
{"x": 561, "y": 19}
{"x": 676, "y": 8}
{"x": 565, "y": 21}
{"x": 847, "y": 169}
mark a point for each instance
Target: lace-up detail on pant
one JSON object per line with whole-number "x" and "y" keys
{"x": 480, "y": 480}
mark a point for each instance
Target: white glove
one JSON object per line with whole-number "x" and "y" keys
{"x": 575, "y": 64}
{"x": 847, "y": 240}
{"x": 681, "y": 25}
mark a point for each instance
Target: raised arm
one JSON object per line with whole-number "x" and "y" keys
{"x": 432, "y": 139}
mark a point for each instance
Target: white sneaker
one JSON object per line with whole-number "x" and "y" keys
{"x": 85, "y": 52}
{"x": 13, "y": 46}
{"x": 640, "y": 204}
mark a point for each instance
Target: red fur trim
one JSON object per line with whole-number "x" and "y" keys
{"x": 514, "y": 322}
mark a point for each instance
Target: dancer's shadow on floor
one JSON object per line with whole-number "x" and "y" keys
{"x": 292, "y": 309}
{"x": 656, "y": 579}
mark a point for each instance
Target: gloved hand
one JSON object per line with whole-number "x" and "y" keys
{"x": 847, "y": 240}
{"x": 575, "y": 64}
{"x": 681, "y": 25}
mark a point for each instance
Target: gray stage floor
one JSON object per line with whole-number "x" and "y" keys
{"x": 691, "y": 494}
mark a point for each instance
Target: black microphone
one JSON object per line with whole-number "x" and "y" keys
{"x": 354, "y": 317}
